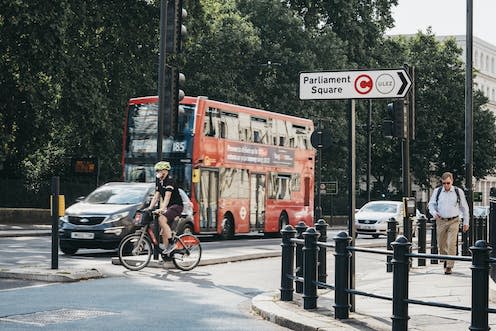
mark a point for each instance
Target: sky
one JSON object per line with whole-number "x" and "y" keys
{"x": 446, "y": 17}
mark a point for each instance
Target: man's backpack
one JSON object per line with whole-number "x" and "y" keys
{"x": 439, "y": 189}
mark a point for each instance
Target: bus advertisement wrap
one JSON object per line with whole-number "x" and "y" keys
{"x": 265, "y": 155}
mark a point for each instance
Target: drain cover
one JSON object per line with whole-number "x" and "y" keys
{"x": 42, "y": 318}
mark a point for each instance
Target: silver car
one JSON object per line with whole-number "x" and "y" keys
{"x": 372, "y": 218}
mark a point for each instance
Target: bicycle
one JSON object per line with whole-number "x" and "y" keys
{"x": 136, "y": 249}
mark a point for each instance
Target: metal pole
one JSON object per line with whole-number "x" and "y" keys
{"x": 161, "y": 78}
{"x": 492, "y": 220}
{"x": 369, "y": 148}
{"x": 318, "y": 211}
{"x": 351, "y": 192}
{"x": 469, "y": 126}
{"x": 55, "y": 221}
{"x": 406, "y": 154}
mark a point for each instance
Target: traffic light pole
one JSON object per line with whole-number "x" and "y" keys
{"x": 161, "y": 78}
{"x": 469, "y": 124}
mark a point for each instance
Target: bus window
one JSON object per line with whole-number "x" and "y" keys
{"x": 222, "y": 129}
{"x": 283, "y": 192}
{"x": 231, "y": 125}
{"x": 279, "y": 187}
{"x": 256, "y": 137}
{"x": 234, "y": 183}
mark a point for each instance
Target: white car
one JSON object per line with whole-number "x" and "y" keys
{"x": 372, "y": 218}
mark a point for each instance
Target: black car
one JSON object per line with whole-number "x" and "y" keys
{"x": 104, "y": 217}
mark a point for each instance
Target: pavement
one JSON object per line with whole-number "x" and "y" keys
{"x": 427, "y": 283}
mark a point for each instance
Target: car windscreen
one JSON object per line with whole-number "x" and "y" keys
{"x": 117, "y": 196}
{"x": 380, "y": 208}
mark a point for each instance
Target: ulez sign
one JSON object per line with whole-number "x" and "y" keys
{"x": 356, "y": 84}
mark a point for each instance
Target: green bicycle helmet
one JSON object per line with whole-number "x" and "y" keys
{"x": 162, "y": 165}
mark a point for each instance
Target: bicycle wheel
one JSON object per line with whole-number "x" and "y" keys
{"x": 133, "y": 253}
{"x": 188, "y": 252}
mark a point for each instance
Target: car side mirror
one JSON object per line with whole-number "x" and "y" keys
{"x": 81, "y": 198}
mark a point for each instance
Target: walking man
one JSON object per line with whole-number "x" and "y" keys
{"x": 445, "y": 205}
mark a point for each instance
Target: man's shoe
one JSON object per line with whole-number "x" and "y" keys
{"x": 167, "y": 249}
{"x": 447, "y": 271}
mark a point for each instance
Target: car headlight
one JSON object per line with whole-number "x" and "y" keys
{"x": 116, "y": 217}
{"x": 64, "y": 219}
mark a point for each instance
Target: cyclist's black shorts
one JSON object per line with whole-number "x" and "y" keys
{"x": 171, "y": 213}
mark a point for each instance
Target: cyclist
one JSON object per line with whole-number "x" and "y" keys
{"x": 171, "y": 204}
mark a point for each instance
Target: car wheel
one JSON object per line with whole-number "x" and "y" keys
{"x": 68, "y": 250}
{"x": 375, "y": 236}
{"x": 184, "y": 227}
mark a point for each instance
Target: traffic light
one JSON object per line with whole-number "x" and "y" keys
{"x": 173, "y": 94}
{"x": 397, "y": 126}
{"x": 176, "y": 31}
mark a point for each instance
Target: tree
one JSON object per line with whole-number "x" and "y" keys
{"x": 439, "y": 143}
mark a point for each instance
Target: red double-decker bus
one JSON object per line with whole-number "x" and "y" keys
{"x": 245, "y": 169}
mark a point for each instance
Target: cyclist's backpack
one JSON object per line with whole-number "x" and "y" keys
{"x": 439, "y": 189}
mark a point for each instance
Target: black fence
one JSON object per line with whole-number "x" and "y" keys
{"x": 307, "y": 248}
{"x": 16, "y": 193}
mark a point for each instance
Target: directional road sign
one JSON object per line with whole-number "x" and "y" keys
{"x": 357, "y": 84}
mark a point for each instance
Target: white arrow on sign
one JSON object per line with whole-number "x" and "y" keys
{"x": 357, "y": 84}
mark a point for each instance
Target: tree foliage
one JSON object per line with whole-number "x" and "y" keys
{"x": 67, "y": 69}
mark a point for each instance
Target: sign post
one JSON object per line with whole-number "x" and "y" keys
{"x": 357, "y": 84}
{"x": 351, "y": 85}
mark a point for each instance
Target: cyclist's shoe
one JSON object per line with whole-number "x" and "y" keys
{"x": 167, "y": 249}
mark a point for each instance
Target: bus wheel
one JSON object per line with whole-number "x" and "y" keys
{"x": 283, "y": 221}
{"x": 227, "y": 229}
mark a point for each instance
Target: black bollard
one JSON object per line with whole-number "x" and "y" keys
{"x": 480, "y": 285}
{"x": 392, "y": 225}
{"x": 321, "y": 227}
{"x": 300, "y": 228}
{"x": 434, "y": 240}
{"x": 310, "y": 252}
{"x": 287, "y": 263}
{"x": 401, "y": 268}
{"x": 342, "y": 278}
{"x": 421, "y": 239}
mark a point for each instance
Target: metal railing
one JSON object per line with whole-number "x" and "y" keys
{"x": 310, "y": 250}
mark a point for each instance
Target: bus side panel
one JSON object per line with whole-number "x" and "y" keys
{"x": 296, "y": 213}
{"x": 239, "y": 209}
